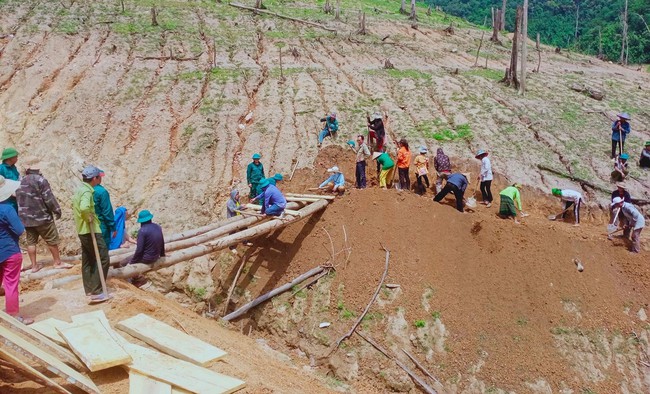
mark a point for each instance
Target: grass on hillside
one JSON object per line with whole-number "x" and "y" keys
{"x": 486, "y": 73}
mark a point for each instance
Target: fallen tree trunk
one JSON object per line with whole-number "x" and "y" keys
{"x": 259, "y": 11}
{"x": 272, "y": 293}
{"x": 318, "y": 196}
{"x": 196, "y": 251}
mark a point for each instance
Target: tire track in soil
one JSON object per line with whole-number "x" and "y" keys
{"x": 252, "y": 104}
{"x": 139, "y": 112}
{"x": 50, "y": 79}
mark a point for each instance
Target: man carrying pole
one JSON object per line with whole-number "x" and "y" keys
{"x": 620, "y": 130}
{"x": 94, "y": 253}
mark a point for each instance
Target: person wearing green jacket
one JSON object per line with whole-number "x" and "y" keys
{"x": 87, "y": 225}
{"x": 104, "y": 210}
{"x": 254, "y": 175}
{"x": 509, "y": 197}
{"x": 9, "y": 171}
{"x": 387, "y": 168}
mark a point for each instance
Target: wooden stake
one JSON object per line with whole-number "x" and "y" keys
{"x": 294, "y": 169}
{"x": 478, "y": 52}
{"x": 98, "y": 260}
{"x": 234, "y": 283}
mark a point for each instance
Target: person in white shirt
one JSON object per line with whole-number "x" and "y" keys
{"x": 485, "y": 177}
{"x": 635, "y": 222}
{"x": 570, "y": 197}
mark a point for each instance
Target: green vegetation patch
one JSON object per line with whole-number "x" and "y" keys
{"x": 419, "y": 323}
{"x": 462, "y": 132}
{"x": 401, "y": 74}
{"x": 486, "y": 73}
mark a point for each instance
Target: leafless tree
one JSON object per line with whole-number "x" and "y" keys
{"x": 503, "y": 15}
{"x": 524, "y": 48}
{"x": 154, "y": 16}
{"x": 623, "y": 58}
{"x": 402, "y": 8}
{"x": 413, "y": 16}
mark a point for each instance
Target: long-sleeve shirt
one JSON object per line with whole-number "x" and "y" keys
{"x": 337, "y": 178}
{"x": 232, "y": 205}
{"x": 570, "y": 195}
{"x": 514, "y": 194}
{"x": 151, "y": 244}
{"x": 486, "y": 169}
{"x": 645, "y": 153}
{"x": 272, "y": 195}
{"x": 421, "y": 163}
{"x": 458, "y": 180}
{"x": 331, "y": 124}
{"x": 377, "y": 126}
{"x": 104, "y": 209}
{"x": 386, "y": 162}
{"x": 36, "y": 202}
{"x": 83, "y": 208}
{"x": 363, "y": 152}
{"x": 10, "y": 172}
{"x": 403, "y": 158}
{"x": 254, "y": 173}
{"x": 625, "y": 130}
{"x": 633, "y": 215}
{"x": 625, "y": 196}
{"x": 10, "y": 231}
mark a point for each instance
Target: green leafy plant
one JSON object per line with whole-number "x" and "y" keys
{"x": 420, "y": 323}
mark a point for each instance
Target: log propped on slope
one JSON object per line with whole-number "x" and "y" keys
{"x": 213, "y": 246}
{"x": 257, "y": 10}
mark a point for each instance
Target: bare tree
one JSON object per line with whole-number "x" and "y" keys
{"x": 154, "y": 16}
{"x": 510, "y": 79}
{"x": 362, "y": 23}
{"x": 503, "y": 15}
{"x": 402, "y": 8}
{"x": 122, "y": 5}
{"x": 259, "y": 5}
{"x": 337, "y": 13}
{"x": 524, "y": 49}
{"x": 412, "y": 15}
{"x": 600, "y": 44}
{"x": 496, "y": 25}
{"x": 539, "y": 53}
{"x": 577, "y": 3}
{"x": 327, "y": 7}
{"x": 624, "y": 40}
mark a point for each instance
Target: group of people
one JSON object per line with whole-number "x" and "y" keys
{"x": 28, "y": 206}
{"x": 620, "y": 130}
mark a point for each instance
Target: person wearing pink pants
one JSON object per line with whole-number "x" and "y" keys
{"x": 11, "y": 260}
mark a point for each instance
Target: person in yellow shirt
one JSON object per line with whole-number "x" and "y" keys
{"x": 87, "y": 224}
{"x": 421, "y": 163}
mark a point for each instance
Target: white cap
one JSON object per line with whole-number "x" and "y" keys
{"x": 333, "y": 169}
{"x": 617, "y": 200}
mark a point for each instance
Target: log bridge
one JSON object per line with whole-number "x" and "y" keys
{"x": 198, "y": 242}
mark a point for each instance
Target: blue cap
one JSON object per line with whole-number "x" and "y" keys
{"x": 144, "y": 216}
{"x": 91, "y": 172}
{"x": 256, "y": 156}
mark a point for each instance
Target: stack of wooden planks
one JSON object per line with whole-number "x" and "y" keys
{"x": 178, "y": 368}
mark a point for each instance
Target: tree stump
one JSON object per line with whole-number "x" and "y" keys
{"x": 388, "y": 65}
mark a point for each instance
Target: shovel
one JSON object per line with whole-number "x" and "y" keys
{"x": 471, "y": 202}
{"x": 555, "y": 217}
{"x": 612, "y": 228}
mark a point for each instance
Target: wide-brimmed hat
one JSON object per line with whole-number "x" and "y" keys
{"x": 624, "y": 115}
{"x": 375, "y": 116}
{"x": 256, "y": 156}
{"x": 278, "y": 177}
{"x": 7, "y": 187}
{"x": 90, "y": 172}
{"x": 621, "y": 185}
{"x": 480, "y": 152}
{"x": 375, "y": 155}
{"x": 31, "y": 162}
{"x": 8, "y": 153}
{"x": 333, "y": 169}
{"x": 264, "y": 183}
{"x": 617, "y": 200}
{"x": 144, "y": 216}
{"x": 333, "y": 115}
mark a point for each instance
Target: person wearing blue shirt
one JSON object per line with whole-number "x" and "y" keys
{"x": 335, "y": 183}
{"x": 273, "y": 202}
{"x": 331, "y": 127}
{"x": 456, "y": 184}
{"x": 620, "y": 130}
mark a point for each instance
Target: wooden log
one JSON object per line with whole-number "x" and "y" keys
{"x": 416, "y": 378}
{"x": 259, "y": 11}
{"x": 420, "y": 366}
{"x": 318, "y": 196}
{"x": 221, "y": 243}
{"x": 272, "y": 293}
{"x": 257, "y": 207}
{"x": 301, "y": 199}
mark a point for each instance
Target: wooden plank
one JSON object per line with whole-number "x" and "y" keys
{"x": 179, "y": 373}
{"x": 40, "y": 340}
{"x": 29, "y": 372}
{"x": 48, "y": 328}
{"x": 94, "y": 345}
{"x": 178, "y": 390}
{"x": 140, "y": 384}
{"x": 101, "y": 316}
{"x": 169, "y": 340}
{"x": 53, "y": 364}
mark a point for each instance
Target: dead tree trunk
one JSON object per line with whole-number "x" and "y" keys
{"x": 402, "y": 8}
{"x": 539, "y": 53}
{"x": 600, "y": 44}
{"x": 524, "y": 49}
{"x": 575, "y": 34}
{"x": 624, "y": 39}
{"x": 510, "y": 78}
{"x": 478, "y": 52}
{"x": 413, "y": 16}
{"x": 122, "y": 5}
{"x": 429, "y": 12}
{"x": 503, "y": 16}
{"x": 496, "y": 25}
{"x": 362, "y": 24}
{"x": 337, "y": 13}
{"x": 327, "y": 7}
{"x": 154, "y": 16}
{"x": 259, "y": 5}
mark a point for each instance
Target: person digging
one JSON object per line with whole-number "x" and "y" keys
{"x": 335, "y": 183}
{"x": 509, "y": 196}
{"x": 621, "y": 169}
{"x": 569, "y": 198}
{"x": 456, "y": 184}
{"x": 330, "y": 128}
{"x": 421, "y": 163}
{"x": 38, "y": 209}
{"x": 233, "y": 206}
{"x": 387, "y": 169}
{"x": 635, "y": 223}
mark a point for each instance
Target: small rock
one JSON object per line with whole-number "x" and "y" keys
{"x": 392, "y": 285}
{"x": 324, "y": 324}
{"x": 642, "y": 315}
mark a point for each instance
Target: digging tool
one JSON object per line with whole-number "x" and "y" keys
{"x": 555, "y": 217}
{"x": 98, "y": 260}
{"x": 471, "y": 202}
{"x": 612, "y": 227}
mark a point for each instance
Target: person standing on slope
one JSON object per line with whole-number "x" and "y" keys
{"x": 404, "y": 164}
{"x": 254, "y": 175}
{"x": 620, "y": 130}
{"x": 330, "y": 129}
{"x": 442, "y": 164}
{"x": 485, "y": 177}
{"x": 9, "y": 171}
{"x": 363, "y": 153}
{"x": 509, "y": 197}
{"x": 570, "y": 197}
{"x": 376, "y": 134}
{"x": 456, "y": 184}
{"x": 104, "y": 210}
{"x": 421, "y": 163}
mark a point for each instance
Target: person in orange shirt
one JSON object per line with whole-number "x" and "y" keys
{"x": 403, "y": 164}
